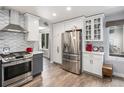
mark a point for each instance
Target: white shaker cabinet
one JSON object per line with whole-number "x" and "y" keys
{"x": 93, "y": 63}
{"x": 86, "y": 65}
{"x": 32, "y": 26}
{"x": 98, "y": 63}
{"x": 76, "y": 22}
{"x": 58, "y": 29}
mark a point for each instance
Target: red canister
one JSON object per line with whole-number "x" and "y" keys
{"x": 29, "y": 49}
{"x": 89, "y": 47}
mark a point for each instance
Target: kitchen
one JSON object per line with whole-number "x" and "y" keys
{"x": 35, "y": 48}
{"x": 17, "y": 64}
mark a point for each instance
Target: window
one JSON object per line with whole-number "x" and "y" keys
{"x": 44, "y": 40}
{"x": 116, "y": 40}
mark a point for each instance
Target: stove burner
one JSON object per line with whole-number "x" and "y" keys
{"x": 15, "y": 56}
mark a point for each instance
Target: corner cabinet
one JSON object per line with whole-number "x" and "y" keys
{"x": 93, "y": 63}
{"x": 94, "y": 28}
{"x": 32, "y": 26}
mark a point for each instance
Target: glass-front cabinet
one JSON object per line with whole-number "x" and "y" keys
{"x": 88, "y": 30}
{"x": 94, "y": 28}
{"x": 97, "y": 29}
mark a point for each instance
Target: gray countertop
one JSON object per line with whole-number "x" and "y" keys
{"x": 37, "y": 52}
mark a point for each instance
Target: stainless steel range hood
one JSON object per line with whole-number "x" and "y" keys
{"x": 13, "y": 25}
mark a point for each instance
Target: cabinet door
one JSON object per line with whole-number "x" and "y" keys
{"x": 68, "y": 25}
{"x": 97, "y": 64}
{"x": 94, "y": 28}
{"x": 87, "y": 66}
{"x": 98, "y": 28}
{"x": 58, "y": 29}
{"x": 78, "y": 23}
{"x": 71, "y": 24}
{"x": 37, "y": 64}
{"x": 88, "y": 29}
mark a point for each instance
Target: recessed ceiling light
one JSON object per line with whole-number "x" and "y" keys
{"x": 54, "y": 14}
{"x": 68, "y": 8}
{"x": 42, "y": 27}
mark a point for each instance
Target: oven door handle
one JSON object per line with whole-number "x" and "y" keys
{"x": 17, "y": 62}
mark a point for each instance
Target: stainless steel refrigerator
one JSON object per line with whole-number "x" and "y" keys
{"x": 71, "y": 47}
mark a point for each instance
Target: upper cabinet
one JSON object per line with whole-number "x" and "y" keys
{"x": 32, "y": 26}
{"x": 74, "y": 23}
{"x": 94, "y": 28}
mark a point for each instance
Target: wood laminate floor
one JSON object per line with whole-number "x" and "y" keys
{"x": 54, "y": 76}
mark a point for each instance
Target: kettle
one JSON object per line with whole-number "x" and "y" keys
{"x": 6, "y": 50}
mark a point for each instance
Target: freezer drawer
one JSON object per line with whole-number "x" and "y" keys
{"x": 66, "y": 64}
{"x": 72, "y": 63}
{"x": 72, "y": 66}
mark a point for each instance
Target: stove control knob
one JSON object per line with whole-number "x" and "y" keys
{"x": 9, "y": 58}
{"x": 6, "y": 59}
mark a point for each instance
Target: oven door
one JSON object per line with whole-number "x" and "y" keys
{"x": 15, "y": 71}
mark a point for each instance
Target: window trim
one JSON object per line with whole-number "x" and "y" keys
{"x": 117, "y": 58}
{"x": 40, "y": 41}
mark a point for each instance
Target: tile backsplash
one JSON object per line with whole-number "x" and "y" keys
{"x": 16, "y": 41}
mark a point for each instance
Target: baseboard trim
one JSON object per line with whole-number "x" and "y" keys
{"x": 118, "y": 75}
{"x": 92, "y": 74}
{"x": 46, "y": 57}
{"x": 57, "y": 63}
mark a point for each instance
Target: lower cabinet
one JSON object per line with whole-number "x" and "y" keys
{"x": 0, "y": 73}
{"x": 37, "y": 64}
{"x": 93, "y": 63}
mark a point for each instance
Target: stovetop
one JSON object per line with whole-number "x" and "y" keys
{"x": 14, "y": 56}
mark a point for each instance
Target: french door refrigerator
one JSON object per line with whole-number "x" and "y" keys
{"x": 72, "y": 51}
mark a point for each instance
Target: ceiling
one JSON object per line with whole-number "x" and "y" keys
{"x": 63, "y": 14}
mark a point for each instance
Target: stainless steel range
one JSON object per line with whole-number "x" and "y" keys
{"x": 16, "y": 68}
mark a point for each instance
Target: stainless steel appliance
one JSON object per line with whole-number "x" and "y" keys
{"x": 71, "y": 46}
{"x": 16, "y": 68}
{"x": 13, "y": 25}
